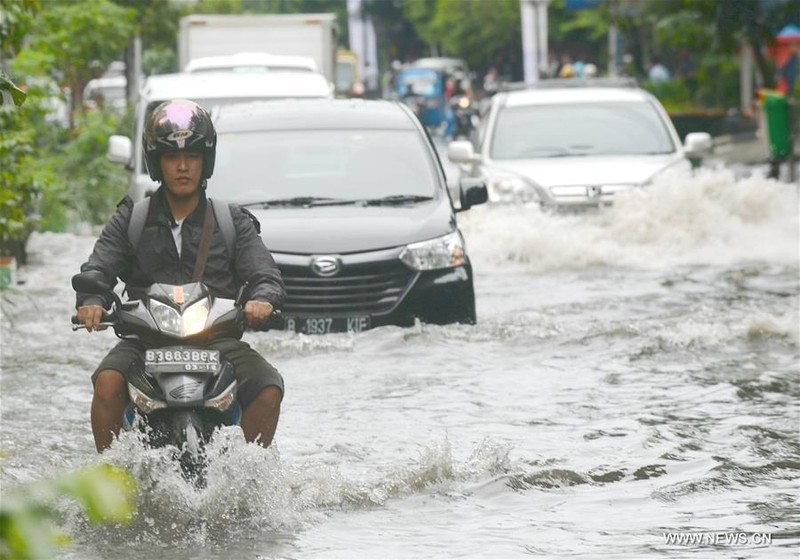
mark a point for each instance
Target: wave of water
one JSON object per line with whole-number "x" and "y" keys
{"x": 253, "y": 491}
{"x": 708, "y": 217}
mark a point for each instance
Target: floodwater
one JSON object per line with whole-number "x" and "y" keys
{"x": 631, "y": 390}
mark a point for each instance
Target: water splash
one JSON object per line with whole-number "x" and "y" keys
{"x": 701, "y": 218}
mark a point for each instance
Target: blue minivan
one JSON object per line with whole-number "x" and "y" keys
{"x": 424, "y": 86}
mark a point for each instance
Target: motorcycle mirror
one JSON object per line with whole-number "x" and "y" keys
{"x": 91, "y": 282}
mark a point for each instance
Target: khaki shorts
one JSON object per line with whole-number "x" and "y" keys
{"x": 252, "y": 372}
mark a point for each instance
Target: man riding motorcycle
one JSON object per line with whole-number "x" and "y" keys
{"x": 179, "y": 142}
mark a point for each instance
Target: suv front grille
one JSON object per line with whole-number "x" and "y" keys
{"x": 357, "y": 289}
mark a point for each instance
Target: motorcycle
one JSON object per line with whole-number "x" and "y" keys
{"x": 465, "y": 112}
{"x": 183, "y": 390}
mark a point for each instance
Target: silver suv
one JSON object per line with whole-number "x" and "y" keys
{"x": 566, "y": 146}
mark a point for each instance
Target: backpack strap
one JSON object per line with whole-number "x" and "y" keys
{"x": 138, "y": 217}
{"x": 205, "y": 244}
{"x": 222, "y": 213}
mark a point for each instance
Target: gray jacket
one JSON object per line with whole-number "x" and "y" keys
{"x": 156, "y": 259}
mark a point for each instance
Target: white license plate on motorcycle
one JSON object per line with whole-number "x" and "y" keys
{"x": 325, "y": 325}
{"x": 180, "y": 358}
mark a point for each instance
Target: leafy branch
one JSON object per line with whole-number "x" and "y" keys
{"x": 28, "y": 516}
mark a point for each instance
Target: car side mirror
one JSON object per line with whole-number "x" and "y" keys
{"x": 461, "y": 151}
{"x": 472, "y": 192}
{"x": 697, "y": 144}
{"x": 119, "y": 149}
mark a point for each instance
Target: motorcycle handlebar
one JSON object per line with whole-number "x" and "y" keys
{"x": 100, "y": 326}
{"x": 107, "y": 321}
{"x": 276, "y": 321}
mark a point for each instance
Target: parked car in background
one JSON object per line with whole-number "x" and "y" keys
{"x": 108, "y": 92}
{"x": 354, "y": 206}
{"x": 252, "y": 62}
{"x": 211, "y": 90}
{"x": 564, "y": 144}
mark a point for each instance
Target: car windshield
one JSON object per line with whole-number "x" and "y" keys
{"x": 421, "y": 83}
{"x": 322, "y": 166}
{"x": 580, "y": 129}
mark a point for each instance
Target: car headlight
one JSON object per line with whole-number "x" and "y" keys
{"x": 510, "y": 188}
{"x": 443, "y": 252}
{"x": 170, "y": 321}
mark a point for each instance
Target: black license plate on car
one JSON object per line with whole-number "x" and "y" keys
{"x": 181, "y": 358}
{"x": 325, "y": 325}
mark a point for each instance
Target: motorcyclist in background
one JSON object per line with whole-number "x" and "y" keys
{"x": 179, "y": 142}
{"x": 459, "y": 96}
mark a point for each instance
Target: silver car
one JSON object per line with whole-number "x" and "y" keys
{"x": 573, "y": 146}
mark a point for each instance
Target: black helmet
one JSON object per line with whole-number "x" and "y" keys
{"x": 179, "y": 124}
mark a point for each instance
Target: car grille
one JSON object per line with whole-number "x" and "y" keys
{"x": 358, "y": 288}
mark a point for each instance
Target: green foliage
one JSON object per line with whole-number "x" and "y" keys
{"x": 476, "y": 29}
{"x": 21, "y": 178}
{"x": 71, "y": 41}
{"x": 10, "y": 94}
{"x": 718, "y": 81}
{"x": 159, "y": 60}
{"x": 15, "y": 19}
{"x": 89, "y": 186}
{"x": 710, "y": 30}
{"x": 28, "y": 515}
{"x": 421, "y": 13}
{"x": 675, "y": 95}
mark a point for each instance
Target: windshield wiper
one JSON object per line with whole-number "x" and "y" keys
{"x": 295, "y": 201}
{"x": 397, "y": 199}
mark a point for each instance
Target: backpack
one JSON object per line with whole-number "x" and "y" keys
{"x": 222, "y": 214}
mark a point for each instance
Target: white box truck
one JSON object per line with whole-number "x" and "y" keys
{"x": 311, "y": 35}
{"x": 213, "y": 91}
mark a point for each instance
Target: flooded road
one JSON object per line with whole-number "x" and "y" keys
{"x": 631, "y": 390}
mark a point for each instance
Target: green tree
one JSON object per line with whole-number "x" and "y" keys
{"x": 709, "y": 30}
{"x": 477, "y": 30}
{"x": 72, "y": 42}
{"x": 19, "y": 189}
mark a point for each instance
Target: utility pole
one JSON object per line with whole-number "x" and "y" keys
{"x": 533, "y": 14}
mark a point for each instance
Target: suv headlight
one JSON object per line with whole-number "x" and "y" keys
{"x": 506, "y": 187}
{"x": 443, "y": 252}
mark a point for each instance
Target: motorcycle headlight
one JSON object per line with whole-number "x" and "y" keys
{"x": 443, "y": 252}
{"x": 194, "y": 318}
{"x": 170, "y": 321}
{"x": 167, "y": 318}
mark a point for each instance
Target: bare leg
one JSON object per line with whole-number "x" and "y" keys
{"x": 260, "y": 419}
{"x": 108, "y": 406}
